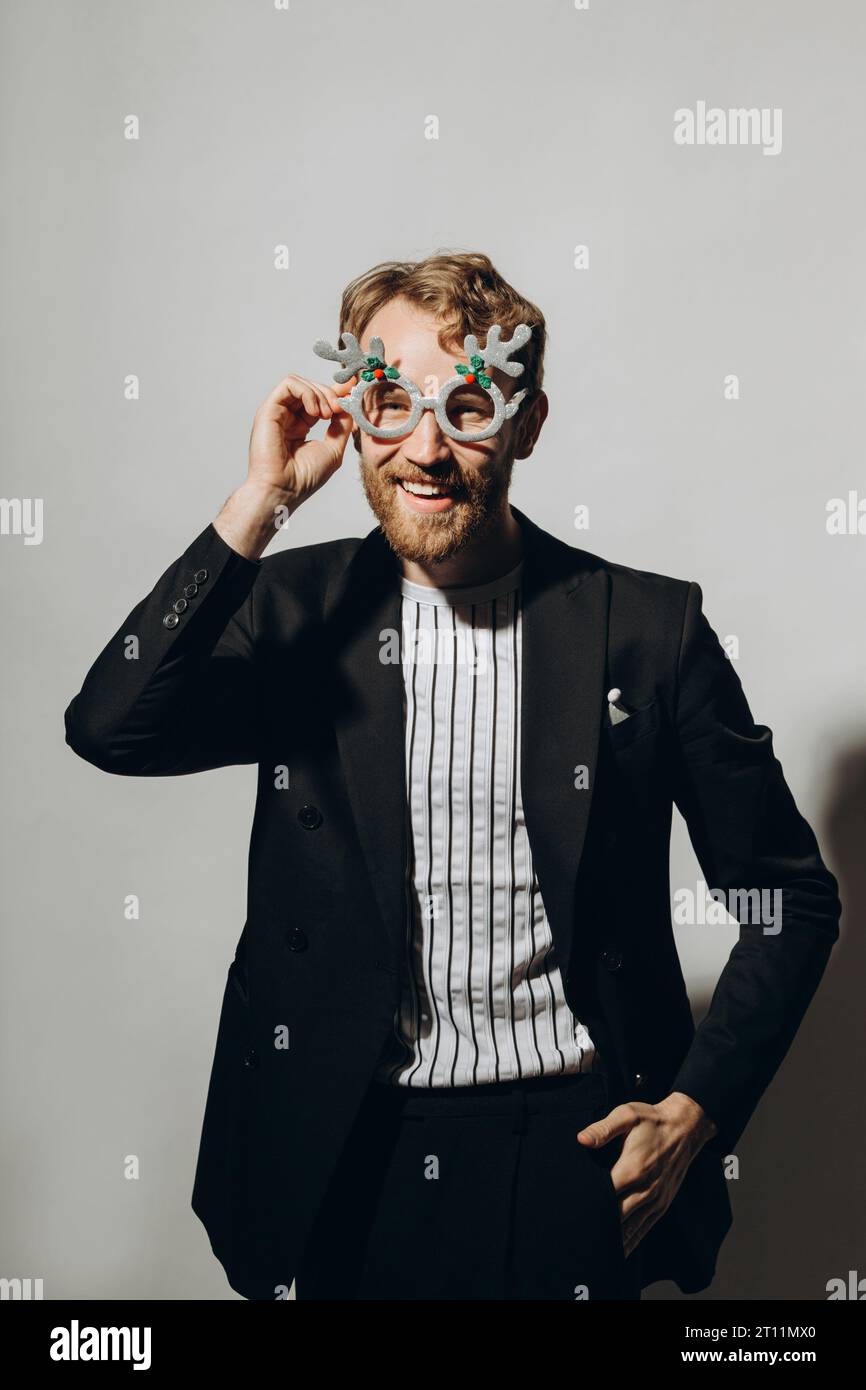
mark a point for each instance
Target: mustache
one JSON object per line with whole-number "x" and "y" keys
{"x": 433, "y": 480}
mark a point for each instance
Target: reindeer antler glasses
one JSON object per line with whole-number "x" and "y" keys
{"x": 383, "y": 393}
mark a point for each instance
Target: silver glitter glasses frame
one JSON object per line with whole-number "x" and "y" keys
{"x": 370, "y": 367}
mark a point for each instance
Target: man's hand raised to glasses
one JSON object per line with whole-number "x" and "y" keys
{"x": 285, "y": 467}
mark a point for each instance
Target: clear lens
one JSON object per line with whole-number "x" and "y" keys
{"x": 470, "y": 409}
{"x": 386, "y": 405}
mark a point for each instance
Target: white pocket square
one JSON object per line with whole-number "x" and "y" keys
{"x": 615, "y": 711}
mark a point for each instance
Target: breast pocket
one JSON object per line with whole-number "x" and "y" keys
{"x": 635, "y": 766}
{"x": 639, "y": 725}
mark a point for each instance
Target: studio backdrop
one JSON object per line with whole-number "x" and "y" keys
{"x": 188, "y": 188}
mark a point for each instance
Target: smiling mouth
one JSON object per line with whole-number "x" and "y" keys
{"x": 425, "y": 489}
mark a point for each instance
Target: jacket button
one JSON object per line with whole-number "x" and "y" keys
{"x": 610, "y": 839}
{"x": 310, "y": 817}
{"x": 251, "y": 1059}
{"x": 298, "y": 939}
{"x": 200, "y": 576}
{"x": 170, "y": 620}
{"x": 611, "y": 958}
{"x": 180, "y": 605}
{"x": 190, "y": 591}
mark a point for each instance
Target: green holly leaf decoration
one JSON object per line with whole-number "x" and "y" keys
{"x": 474, "y": 368}
{"x": 376, "y": 364}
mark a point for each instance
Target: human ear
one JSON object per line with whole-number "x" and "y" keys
{"x": 529, "y": 426}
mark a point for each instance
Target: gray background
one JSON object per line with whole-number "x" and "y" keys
{"x": 155, "y": 257}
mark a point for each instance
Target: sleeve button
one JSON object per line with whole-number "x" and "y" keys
{"x": 170, "y": 620}
{"x": 200, "y": 576}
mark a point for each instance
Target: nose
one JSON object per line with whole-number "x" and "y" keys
{"x": 427, "y": 445}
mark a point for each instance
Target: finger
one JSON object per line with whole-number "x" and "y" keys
{"x": 328, "y": 400}
{"x": 626, "y": 1175}
{"x": 293, "y": 391}
{"x": 333, "y": 395}
{"x": 343, "y": 388}
{"x": 634, "y": 1205}
{"x": 339, "y": 427}
{"x": 302, "y": 407}
{"x": 290, "y": 386}
{"x": 286, "y": 390}
{"x": 619, "y": 1121}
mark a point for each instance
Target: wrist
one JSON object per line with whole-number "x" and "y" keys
{"x": 252, "y": 515}
{"x": 691, "y": 1115}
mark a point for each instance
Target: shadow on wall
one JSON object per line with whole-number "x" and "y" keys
{"x": 799, "y": 1209}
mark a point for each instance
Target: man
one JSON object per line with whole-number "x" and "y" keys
{"x": 456, "y": 1057}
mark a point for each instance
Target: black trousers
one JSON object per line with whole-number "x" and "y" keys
{"x": 473, "y": 1192}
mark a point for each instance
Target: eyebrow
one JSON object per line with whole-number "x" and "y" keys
{"x": 398, "y": 362}
{"x": 468, "y": 391}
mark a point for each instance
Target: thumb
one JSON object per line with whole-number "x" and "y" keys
{"x": 340, "y": 426}
{"x": 619, "y": 1121}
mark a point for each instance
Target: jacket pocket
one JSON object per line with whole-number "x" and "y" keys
{"x": 638, "y": 725}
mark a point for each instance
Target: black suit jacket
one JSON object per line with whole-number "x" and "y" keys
{"x": 277, "y": 662}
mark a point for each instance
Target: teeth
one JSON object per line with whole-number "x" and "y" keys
{"x": 425, "y": 490}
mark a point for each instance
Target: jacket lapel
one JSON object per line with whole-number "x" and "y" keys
{"x": 565, "y": 605}
{"x": 363, "y": 614}
{"x": 565, "y": 612}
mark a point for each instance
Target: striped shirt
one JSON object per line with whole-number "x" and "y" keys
{"x": 482, "y": 998}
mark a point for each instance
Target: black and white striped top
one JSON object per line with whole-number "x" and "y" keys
{"x": 482, "y": 994}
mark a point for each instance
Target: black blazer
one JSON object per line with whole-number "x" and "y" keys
{"x": 276, "y": 662}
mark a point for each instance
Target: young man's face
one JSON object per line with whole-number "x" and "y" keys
{"x": 474, "y": 477}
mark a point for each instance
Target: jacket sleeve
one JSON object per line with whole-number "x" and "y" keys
{"x": 747, "y": 834}
{"x": 174, "y": 690}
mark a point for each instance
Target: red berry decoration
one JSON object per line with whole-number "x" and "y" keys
{"x": 376, "y": 369}
{"x": 474, "y": 372}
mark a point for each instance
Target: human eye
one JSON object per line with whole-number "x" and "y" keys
{"x": 472, "y": 408}
{"x": 386, "y": 402}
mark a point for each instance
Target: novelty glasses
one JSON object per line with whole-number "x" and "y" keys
{"x": 469, "y": 406}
